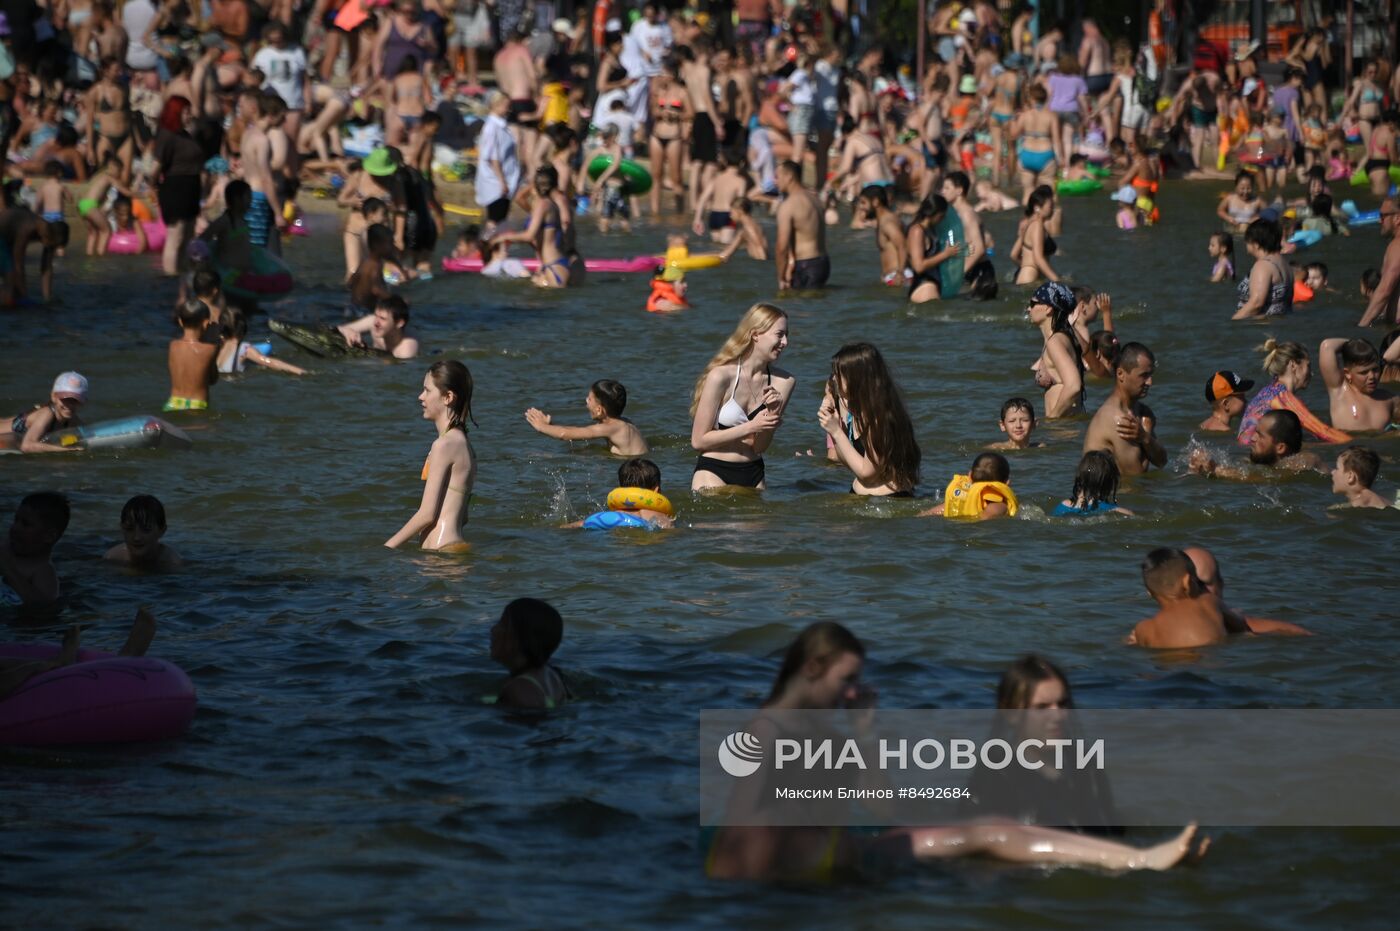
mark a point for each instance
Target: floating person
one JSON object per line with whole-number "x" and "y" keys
{"x": 867, "y": 424}
{"x": 1225, "y": 393}
{"x": 983, "y": 493}
{"x": 28, "y": 429}
{"x": 15, "y": 672}
{"x": 193, "y": 360}
{"x": 449, "y": 473}
{"x": 1017, "y": 421}
{"x": 738, "y": 402}
{"x": 1277, "y": 442}
{"x": 523, "y": 641}
{"x": 668, "y": 289}
{"x": 636, "y": 502}
{"x": 1123, "y": 425}
{"x": 1352, "y": 477}
{"x": 606, "y": 400}
{"x": 1095, "y": 488}
{"x": 143, "y": 525}
{"x": 1351, "y": 369}
{"x": 387, "y": 328}
{"x": 27, "y": 575}
{"x": 821, "y": 670}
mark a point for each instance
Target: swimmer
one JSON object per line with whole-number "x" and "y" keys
{"x": 668, "y": 289}
{"x": 750, "y": 235}
{"x": 1291, "y": 369}
{"x": 730, "y": 182}
{"x": 1017, "y": 421}
{"x": 874, "y": 205}
{"x": 14, "y": 672}
{"x": 991, "y": 200}
{"x": 373, "y": 212}
{"x": 982, "y": 494}
{"x": 1124, "y": 426}
{"x": 449, "y": 473}
{"x": 387, "y": 326}
{"x": 800, "y": 258}
{"x": 27, "y": 575}
{"x": 867, "y": 424}
{"x": 1225, "y": 393}
{"x": 28, "y": 429}
{"x": 1241, "y": 206}
{"x": 1277, "y": 442}
{"x": 1128, "y": 217}
{"x": 1355, "y": 472}
{"x": 192, "y": 359}
{"x": 235, "y": 352}
{"x": 523, "y": 641}
{"x": 634, "y": 473}
{"x": 1222, "y": 249}
{"x": 821, "y": 670}
{"x": 1352, "y": 372}
{"x": 1095, "y": 488}
{"x": 1091, "y": 305}
{"x": 738, "y": 401}
{"x": 605, "y": 402}
{"x": 143, "y": 524}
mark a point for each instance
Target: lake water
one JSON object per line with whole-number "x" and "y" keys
{"x": 342, "y": 772}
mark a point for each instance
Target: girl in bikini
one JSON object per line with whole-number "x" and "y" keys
{"x": 1036, "y": 133}
{"x": 450, "y": 470}
{"x": 670, "y": 114}
{"x": 870, "y": 431}
{"x": 545, "y": 232}
{"x": 109, "y": 118}
{"x": 1035, "y": 246}
{"x": 738, "y": 402}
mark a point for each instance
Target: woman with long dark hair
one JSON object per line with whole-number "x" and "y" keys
{"x": 450, "y": 470}
{"x": 178, "y": 187}
{"x": 871, "y": 434}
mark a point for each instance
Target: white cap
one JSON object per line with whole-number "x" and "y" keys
{"x": 563, "y": 25}
{"x": 71, "y": 385}
{"x": 1127, "y": 194}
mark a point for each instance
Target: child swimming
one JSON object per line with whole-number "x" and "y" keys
{"x": 636, "y": 502}
{"x": 668, "y": 290}
{"x": 143, "y": 524}
{"x": 523, "y": 641}
{"x": 1017, "y": 420}
{"x": 192, "y": 360}
{"x": 1095, "y": 488}
{"x": 1355, "y": 472}
{"x": 27, "y": 429}
{"x": 1225, "y": 393}
{"x": 1222, "y": 249}
{"x": 982, "y": 494}
{"x": 606, "y": 400}
{"x": 1128, "y": 216}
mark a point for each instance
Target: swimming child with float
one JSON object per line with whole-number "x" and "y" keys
{"x": 449, "y": 472}
{"x": 606, "y": 400}
{"x": 636, "y": 502}
{"x": 668, "y": 290}
{"x": 983, "y": 493}
{"x": 28, "y": 429}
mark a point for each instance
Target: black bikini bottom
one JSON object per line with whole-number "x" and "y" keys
{"x": 744, "y": 474}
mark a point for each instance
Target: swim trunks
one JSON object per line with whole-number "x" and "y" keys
{"x": 517, "y": 109}
{"x": 174, "y": 403}
{"x": 720, "y": 219}
{"x": 810, "y": 274}
{"x": 259, "y": 219}
{"x": 52, "y": 216}
{"x": 704, "y": 145}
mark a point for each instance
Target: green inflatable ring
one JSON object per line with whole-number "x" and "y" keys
{"x": 1081, "y": 186}
{"x": 635, "y": 178}
{"x": 1360, "y": 177}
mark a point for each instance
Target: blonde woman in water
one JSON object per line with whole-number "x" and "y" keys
{"x": 450, "y": 470}
{"x": 738, "y": 402}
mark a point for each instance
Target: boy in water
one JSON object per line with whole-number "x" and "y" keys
{"x": 53, "y": 197}
{"x": 1225, "y": 393}
{"x": 143, "y": 524}
{"x": 633, "y": 474}
{"x": 1277, "y": 442}
{"x": 1355, "y": 472}
{"x": 605, "y": 402}
{"x": 1017, "y": 421}
{"x": 27, "y": 575}
{"x": 981, "y": 494}
{"x": 387, "y": 326}
{"x": 750, "y": 234}
{"x": 193, "y": 361}
{"x": 367, "y": 285}
{"x": 1352, "y": 371}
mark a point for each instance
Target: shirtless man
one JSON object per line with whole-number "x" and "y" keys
{"x": 1208, "y": 571}
{"x": 955, "y": 188}
{"x": 19, "y": 226}
{"x": 718, "y": 193}
{"x": 387, "y": 326}
{"x": 1381, "y": 307}
{"x": 1094, "y": 59}
{"x": 1277, "y": 442}
{"x": 256, "y": 153}
{"x": 800, "y": 256}
{"x": 1352, "y": 371}
{"x": 874, "y": 205}
{"x": 518, "y": 78}
{"x": 1124, "y": 426}
{"x": 707, "y": 132}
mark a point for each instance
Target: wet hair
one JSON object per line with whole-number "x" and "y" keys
{"x": 233, "y": 324}
{"x": 990, "y": 467}
{"x": 451, "y": 375}
{"x": 931, "y": 208}
{"x": 959, "y": 180}
{"x": 1370, "y": 280}
{"x": 1266, "y": 234}
{"x": 377, "y": 237}
{"x": 1096, "y": 479}
{"x": 1277, "y": 355}
{"x": 1104, "y": 344}
{"x": 1319, "y": 267}
{"x": 878, "y": 414}
{"x": 372, "y": 204}
{"x": 536, "y": 627}
{"x": 1131, "y": 356}
{"x": 1357, "y": 353}
{"x": 1284, "y": 427}
{"x": 1039, "y": 197}
{"x": 1163, "y": 568}
{"x": 206, "y": 281}
{"x": 639, "y": 473}
{"x": 1361, "y": 462}
{"x": 144, "y": 511}
{"x": 1018, "y": 404}
{"x": 981, "y": 281}
{"x": 823, "y": 642}
{"x": 876, "y": 194}
{"x": 760, "y": 318}
{"x": 192, "y": 313}
{"x": 611, "y": 395}
{"x": 1227, "y": 244}
{"x": 1018, "y": 683}
{"x": 395, "y": 305}
{"x": 51, "y": 507}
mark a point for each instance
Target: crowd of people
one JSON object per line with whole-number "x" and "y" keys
{"x": 771, "y": 127}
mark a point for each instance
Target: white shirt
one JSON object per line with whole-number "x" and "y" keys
{"x": 136, "y": 19}
{"x": 286, "y": 73}
{"x": 496, "y": 144}
{"x": 761, "y": 161}
{"x": 654, "y": 41}
{"x": 800, "y": 91}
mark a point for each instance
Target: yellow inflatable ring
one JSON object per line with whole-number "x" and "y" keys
{"x": 462, "y": 211}
{"x": 639, "y": 499}
{"x": 692, "y": 262}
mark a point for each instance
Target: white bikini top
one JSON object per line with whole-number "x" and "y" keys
{"x": 731, "y": 414}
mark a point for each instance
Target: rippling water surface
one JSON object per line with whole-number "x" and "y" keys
{"x": 342, "y": 771}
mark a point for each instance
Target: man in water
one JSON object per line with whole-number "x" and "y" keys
{"x": 955, "y": 188}
{"x": 801, "y": 258}
{"x": 19, "y": 226}
{"x": 874, "y": 206}
{"x": 387, "y": 327}
{"x": 1381, "y": 308}
{"x": 1277, "y": 442}
{"x": 1208, "y": 571}
{"x": 1124, "y": 426}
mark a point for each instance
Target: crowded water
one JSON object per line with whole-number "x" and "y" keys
{"x": 342, "y": 769}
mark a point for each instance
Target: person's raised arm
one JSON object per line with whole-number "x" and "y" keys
{"x": 1328, "y": 364}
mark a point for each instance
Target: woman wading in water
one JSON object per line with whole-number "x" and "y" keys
{"x": 450, "y": 470}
